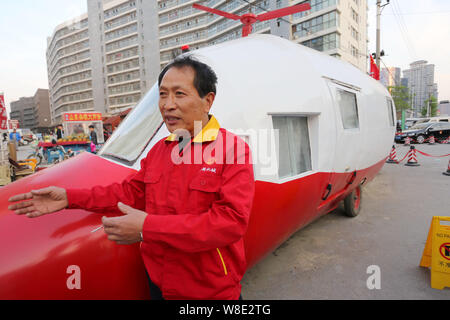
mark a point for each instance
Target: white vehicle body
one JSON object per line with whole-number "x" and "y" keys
{"x": 264, "y": 76}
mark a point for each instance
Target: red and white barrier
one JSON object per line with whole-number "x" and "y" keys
{"x": 407, "y": 141}
{"x": 447, "y": 173}
{"x": 392, "y": 156}
{"x": 412, "y": 159}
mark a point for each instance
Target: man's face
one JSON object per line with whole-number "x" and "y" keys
{"x": 179, "y": 101}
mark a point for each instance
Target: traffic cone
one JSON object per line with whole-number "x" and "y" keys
{"x": 431, "y": 141}
{"x": 412, "y": 158}
{"x": 392, "y": 156}
{"x": 407, "y": 141}
{"x": 447, "y": 173}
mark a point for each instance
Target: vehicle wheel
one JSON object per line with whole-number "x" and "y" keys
{"x": 352, "y": 204}
{"x": 38, "y": 157}
{"x": 420, "y": 139}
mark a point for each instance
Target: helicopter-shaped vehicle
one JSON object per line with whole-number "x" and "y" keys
{"x": 318, "y": 129}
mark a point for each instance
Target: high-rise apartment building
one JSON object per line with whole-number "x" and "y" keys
{"x": 22, "y": 110}
{"x": 32, "y": 112}
{"x": 337, "y": 28}
{"x": 420, "y": 84}
{"x": 69, "y": 68}
{"x": 105, "y": 60}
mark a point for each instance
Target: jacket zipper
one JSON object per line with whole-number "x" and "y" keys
{"x": 223, "y": 262}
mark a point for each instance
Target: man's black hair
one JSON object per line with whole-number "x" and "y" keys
{"x": 205, "y": 79}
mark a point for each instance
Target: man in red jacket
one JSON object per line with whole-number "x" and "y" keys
{"x": 189, "y": 204}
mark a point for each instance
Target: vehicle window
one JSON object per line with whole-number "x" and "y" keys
{"x": 390, "y": 111}
{"x": 134, "y": 133}
{"x": 419, "y": 126}
{"x": 422, "y": 121}
{"x": 435, "y": 127}
{"x": 348, "y": 108}
{"x": 294, "y": 155}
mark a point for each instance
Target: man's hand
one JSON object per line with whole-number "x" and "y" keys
{"x": 40, "y": 202}
{"x": 125, "y": 229}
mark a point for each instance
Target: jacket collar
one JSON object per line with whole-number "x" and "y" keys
{"x": 209, "y": 132}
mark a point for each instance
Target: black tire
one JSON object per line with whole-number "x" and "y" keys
{"x": 420, "y": 139}
{"x": 352, "y": 203}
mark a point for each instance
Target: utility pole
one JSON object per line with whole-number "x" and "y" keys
{"x": 379, "y": 9}
{"x": 378, "y": 34}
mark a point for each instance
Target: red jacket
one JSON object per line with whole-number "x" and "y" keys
{"x": 198, "y": 204}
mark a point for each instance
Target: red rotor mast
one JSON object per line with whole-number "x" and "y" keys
{"x": 249, "y": 19}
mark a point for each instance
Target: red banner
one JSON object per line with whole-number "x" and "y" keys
{"x": 3, "y": 115}
{"x": 13, "y": 124}
{"x": 374, "y": 71}
{"x": 87, "y": 116}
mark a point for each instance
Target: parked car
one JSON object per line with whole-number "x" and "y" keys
{"x": 422, "y": 131}
{"x": 410, "y": 122}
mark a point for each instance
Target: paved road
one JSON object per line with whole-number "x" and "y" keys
{"x": 329, "y": 258}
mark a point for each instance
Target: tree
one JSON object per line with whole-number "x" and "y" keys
{"x": 430, "y": 107}
{"x": 401, "y": 97}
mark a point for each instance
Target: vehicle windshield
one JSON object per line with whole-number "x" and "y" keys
{"x": 132, "y": 136}
{"x": 419, "y": 126}
{"x": 422, "y": 121}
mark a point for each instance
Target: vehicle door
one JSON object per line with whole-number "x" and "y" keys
{"x": 434, "y": 130}
{"x": 441, "y": 131}
{"x": 348, "y": 117}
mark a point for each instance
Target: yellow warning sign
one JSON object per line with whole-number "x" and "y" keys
{"x": 437, "y": 253}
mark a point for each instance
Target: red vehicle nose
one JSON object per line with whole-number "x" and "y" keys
{"x": 38, "y": 256}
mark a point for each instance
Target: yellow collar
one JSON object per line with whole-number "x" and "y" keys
{"x": 208, "y": 133}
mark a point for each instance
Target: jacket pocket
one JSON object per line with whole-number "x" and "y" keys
{"x": 203, "y": 191}
{"x": 152, "y": 177}
{"x": 206, "y": 183}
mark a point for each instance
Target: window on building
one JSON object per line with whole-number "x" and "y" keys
{"x": 355, "y": 51}
{"x": 349, "y": 109}
{"x": 355, "y": 16}
{"x": 294, "y": 149}
{"x": 355, "y": 34}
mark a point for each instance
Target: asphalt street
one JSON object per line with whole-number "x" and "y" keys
{"x": 329, "y": 259}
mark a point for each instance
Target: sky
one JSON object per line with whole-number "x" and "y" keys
{"x": 411, "y": 30}
{"x": 414, "y": 30}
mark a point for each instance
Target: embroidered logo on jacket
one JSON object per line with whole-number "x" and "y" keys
{"x": 205, "y": 169}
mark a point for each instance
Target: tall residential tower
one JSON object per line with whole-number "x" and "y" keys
{"x": 421, "y": 84}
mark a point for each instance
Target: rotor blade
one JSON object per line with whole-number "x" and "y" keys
{"x": 215, "y": 11}
{"x": 283, "y": 12}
